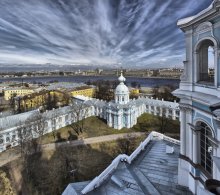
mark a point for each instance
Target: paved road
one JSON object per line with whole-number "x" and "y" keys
{"x": 14, "y": 153}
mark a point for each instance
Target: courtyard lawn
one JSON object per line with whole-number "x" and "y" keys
{"x": 148, "y": 122}
{"x": 94, "y": 126}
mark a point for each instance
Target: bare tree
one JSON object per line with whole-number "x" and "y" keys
{"x": 79, "y": 112}
{"x": 24, "y": 138}
{"x": 66, "y": 98}
{"x": 51, "y": 100}
{"x": 30, "y": 133}
{"x": 12, "y": 102}
{"x": 38, "y": 122}
{"x": 126, "y": 145}
{"x": 54, "y": 123}
{"x": 163, "y": 121}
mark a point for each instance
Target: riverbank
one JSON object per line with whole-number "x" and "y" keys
{"x": 143, "y": 81}
{"x": 48, "y": 76}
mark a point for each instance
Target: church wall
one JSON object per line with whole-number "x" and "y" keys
{"x": 193, "y": 95}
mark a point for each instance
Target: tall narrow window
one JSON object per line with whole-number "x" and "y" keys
{"x": 206, "y": 62}
{"x": 205, "y": 145}
{"x": 211, "y": 69}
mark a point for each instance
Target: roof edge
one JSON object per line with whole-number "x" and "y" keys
{"x": 188, "y": 20}
{"x": 97, "y": 181}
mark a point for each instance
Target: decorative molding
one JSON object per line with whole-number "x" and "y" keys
{"x": 203, "y": 28}
{"x": 185, "y": 107}
{"x": 195, "y": 129}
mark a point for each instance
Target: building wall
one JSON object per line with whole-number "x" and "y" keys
{"x": 134, "y": 91}
{"x": 197, "y": 99}
{"x": 89, "y": 92}
{"x": 37, "y": 100}
{"x": 8, "y": 93}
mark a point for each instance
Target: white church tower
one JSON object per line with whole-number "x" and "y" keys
{"x": 199, "y": 94}
{"x": 121, "y": 91}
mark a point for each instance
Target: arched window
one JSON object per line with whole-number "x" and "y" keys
{"x": 13, "y": 138}
{"x": 7, "y": 139}
{"x": 205, "y": 147}
{"x": 206, "y": 62}
{"x": 1, "y": 139}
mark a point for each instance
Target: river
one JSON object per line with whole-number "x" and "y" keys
{"x": 144, "y": 82}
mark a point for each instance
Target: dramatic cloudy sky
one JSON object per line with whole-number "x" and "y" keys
{"x": 130, "y": 33}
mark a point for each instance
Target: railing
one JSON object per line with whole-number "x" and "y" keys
{"x": 97, "y": 181}
{"x": 164, "y": 137}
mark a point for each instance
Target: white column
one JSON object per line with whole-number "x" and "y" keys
{"x": 161, "y": 111}
{"x": 119, "y": 121}
{"x": 155, "y": 110}
{"x": 174, "y": 114}
{"x": 167, "y": 112}
{"x": 149, "y": 109}
{"x": 110, "y": 119}
{"x": 183, "y": 132}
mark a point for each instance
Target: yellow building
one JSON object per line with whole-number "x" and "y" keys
{"x": 44, "y": 99}
{"x": 84, "y": 90}
{"x": 31, "y": 101}
{"x": 9, "y": 93}
{"x": 134, "y": 91}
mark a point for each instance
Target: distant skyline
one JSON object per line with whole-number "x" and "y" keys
{"x": 126, "y": 33}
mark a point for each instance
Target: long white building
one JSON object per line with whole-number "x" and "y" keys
{"x": 122, "y": 112}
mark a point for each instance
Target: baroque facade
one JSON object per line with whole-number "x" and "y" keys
{"x": 123, "y": 111}
{"x": 200, "y": 101}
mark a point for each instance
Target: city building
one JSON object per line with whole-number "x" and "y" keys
{"x": 41, "y": 100}
{"x": 200, "y": 102}
{"x": 18, "y": 91}
{"x": 170, "y": 72}
{"x": 134, "y": 91}
{"x": 88, "y": 91}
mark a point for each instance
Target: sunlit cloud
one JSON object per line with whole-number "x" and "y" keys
{"x": 137, "y": 33}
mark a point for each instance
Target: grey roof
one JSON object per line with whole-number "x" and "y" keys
{"x": 14, "y": 120}
{"x": 147, "y": 101}
{"x": 96, "y": 103}
{"x": 64, "y": 85}
{"x": 57, "y": 112}
{"x": 152, "y": 172}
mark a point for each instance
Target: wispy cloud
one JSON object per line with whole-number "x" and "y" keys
{"x": 133, "y": 33}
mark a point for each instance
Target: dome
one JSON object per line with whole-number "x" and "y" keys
{"x": 121, "y": 78}
{"x": 121, "y": 92}
{"x": 121, "y": 89}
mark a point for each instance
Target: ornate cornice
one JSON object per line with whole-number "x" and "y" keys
{"x": 185, "y": 107}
